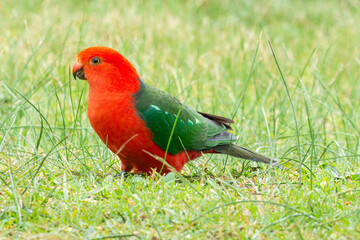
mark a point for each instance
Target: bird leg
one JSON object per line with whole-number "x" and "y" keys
{"x": 125, "y": 170}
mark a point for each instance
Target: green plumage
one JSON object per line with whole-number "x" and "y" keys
{"x": 192, "y": 131}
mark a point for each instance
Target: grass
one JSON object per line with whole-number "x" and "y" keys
{"x": 287, "y": 71}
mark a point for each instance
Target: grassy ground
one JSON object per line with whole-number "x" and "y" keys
{"x": 299, "y": 104}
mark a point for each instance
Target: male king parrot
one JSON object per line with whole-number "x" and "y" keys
{"x": 142, "y": 124}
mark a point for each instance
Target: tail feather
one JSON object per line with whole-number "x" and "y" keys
{"x": 241, "y": 152}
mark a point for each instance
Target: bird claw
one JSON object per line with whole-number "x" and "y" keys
{"x": 127, "y": 174}
{"x": 123, "y": 173}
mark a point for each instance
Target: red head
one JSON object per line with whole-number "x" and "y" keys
{"x": 105, "y": 69}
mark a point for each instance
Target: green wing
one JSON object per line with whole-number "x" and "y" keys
{"x": 192, "y": 131}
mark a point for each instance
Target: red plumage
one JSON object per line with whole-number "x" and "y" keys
{"x": 113, "y": 116}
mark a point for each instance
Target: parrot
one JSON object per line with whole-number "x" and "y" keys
{"x": 148, "y": 129}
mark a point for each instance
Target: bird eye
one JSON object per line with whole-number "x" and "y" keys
{"x": 95, "y": 60}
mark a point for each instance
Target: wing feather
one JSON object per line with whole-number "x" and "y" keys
{"x": 193, "y": 130}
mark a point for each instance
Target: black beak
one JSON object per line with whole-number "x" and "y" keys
{"x": 79, "y": 74}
